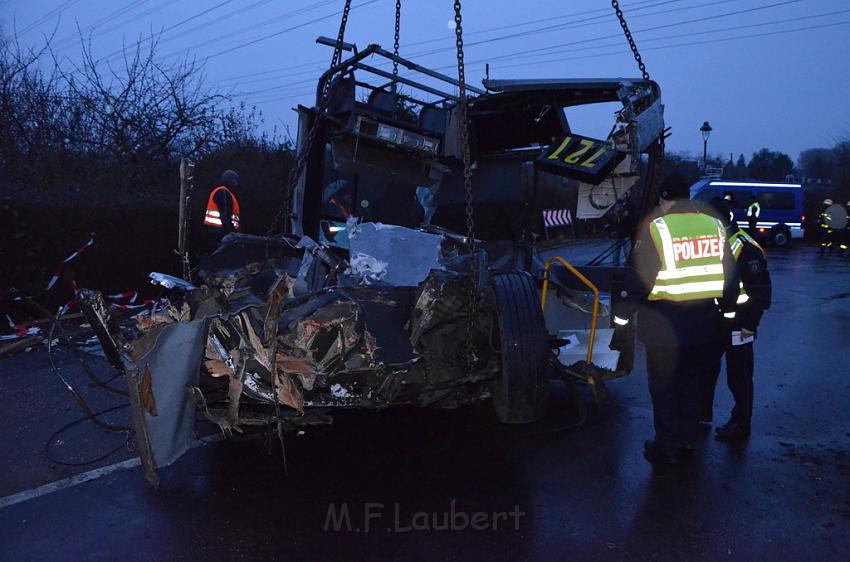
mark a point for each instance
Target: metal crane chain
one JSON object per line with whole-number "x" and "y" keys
{"x": 659, "y": 158}
{"x": 616, "y": 5}
{"x": 295, "y": 175}
{"x": 397, "y": 34}
{"x": 337, "y": 56}
{"x": 467, "y": 181}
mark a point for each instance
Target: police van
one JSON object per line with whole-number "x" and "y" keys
{"x": 780, "y": 215}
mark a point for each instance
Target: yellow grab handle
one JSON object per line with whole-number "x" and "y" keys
{"x": 587, "y": 283}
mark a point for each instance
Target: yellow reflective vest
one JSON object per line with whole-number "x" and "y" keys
{"x": 690, "y": 247}
{"x": 737, "y": 242}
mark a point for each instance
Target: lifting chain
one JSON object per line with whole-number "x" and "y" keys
{"x": 649, "y": 190}
{"x": 397, "y": 35}
{"x": 283, "y": 216}
{"x": 616, "y": 5}
{"x": 463, "y": 123}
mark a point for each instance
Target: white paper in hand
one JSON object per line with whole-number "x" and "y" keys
{"x": 737, "y": 339}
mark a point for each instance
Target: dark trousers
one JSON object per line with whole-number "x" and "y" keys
{"x": 212, "y": 238}
{"x": 825, "y": 239}
{"x": 708, "y": 378}
{"x": 751, "y": 224}
{"x": 674, "y": 377}
{"x": 838, "y": 241}
{"x": 739, "y": 379}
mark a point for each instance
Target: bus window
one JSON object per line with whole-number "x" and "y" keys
{"x": 740, "y": 199}
{"x": 777, "y": 201}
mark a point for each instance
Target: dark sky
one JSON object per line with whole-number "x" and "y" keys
{"x": 764, "y": 73}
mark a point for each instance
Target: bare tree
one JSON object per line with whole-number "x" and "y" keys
{"x": 146, "y": 112}
{"x": 35, "y": 114}
{"x": 122, "y": 125}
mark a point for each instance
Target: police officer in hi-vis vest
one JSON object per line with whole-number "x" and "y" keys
{"x": 754, "y": 296}
{"x": 681, "y": 266}
{"x": 222, "y": 213}
{"x": 753, "y": 213}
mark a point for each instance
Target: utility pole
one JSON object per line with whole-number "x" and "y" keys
{"x": 187, "y": 183}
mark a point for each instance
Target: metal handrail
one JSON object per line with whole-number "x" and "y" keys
{"x": 588, "y": 284}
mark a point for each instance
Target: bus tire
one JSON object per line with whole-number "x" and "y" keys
{"x": 780, "y": 237}
{"x": 519, "y": 393}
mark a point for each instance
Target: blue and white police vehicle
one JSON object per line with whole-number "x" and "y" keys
{"x": 780, "y": 215}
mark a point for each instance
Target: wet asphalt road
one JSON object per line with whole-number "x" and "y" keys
{"x": 553, "y": 490}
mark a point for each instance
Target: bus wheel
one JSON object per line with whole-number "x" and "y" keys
{"x": 780, "y": 238}
{"x": 519, "y": 393}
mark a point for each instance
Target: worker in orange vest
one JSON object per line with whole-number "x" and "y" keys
{"x": 222, "y": 213}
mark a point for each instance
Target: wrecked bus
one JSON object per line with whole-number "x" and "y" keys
{"x": 371, "y": 297}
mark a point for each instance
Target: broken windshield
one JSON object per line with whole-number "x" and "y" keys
{"x": 356, "y": 189}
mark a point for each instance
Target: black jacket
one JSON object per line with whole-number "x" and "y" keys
{"x": 667, "y": 323}
{"x": 752, "y": 269}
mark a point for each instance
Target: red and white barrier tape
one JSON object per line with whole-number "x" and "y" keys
{"x": 69, "y": 259}
{"x": 148, "y": 306}
{"x": 128, "y": 296}
{"x": 20, "y": 331}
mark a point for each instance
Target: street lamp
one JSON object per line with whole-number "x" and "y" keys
{"x": 706, "y": 132}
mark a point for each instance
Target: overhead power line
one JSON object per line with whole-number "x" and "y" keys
{"x": 572, "y": 24}
{"x": 106, "y": 19}
{"x": 287, "y": 30}
{"x": 278, "y": 88}
{"x": 586, "y": 22}
{"x": 169, "y": 28}
{"x": 688, "y": 44}
{"x": 314, "y": 72}
{"x": 653, "y": 28}
{"x": 57, "y": 11}
{"x": 436, "y": 39}
{"x": 266, "y": 22}
{"x": 206, "y": 25}
{"x": 606, "y": 10}
{"x": 694, "y": 33}
{"x": 69, "y": 40}
{"x": 620, "y": 52}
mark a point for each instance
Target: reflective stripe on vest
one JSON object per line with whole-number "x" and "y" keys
{"x": 754, "y": 210}
{"x": 737, "y": 244}
{"x": 212, "y": 216}
{"x": 690, "y": 247}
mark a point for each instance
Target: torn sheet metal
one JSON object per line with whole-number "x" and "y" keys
{"x": 595, "y": 200}
{"x": 170, "y": 282}
{"x": 290, "y": 334}
{"x": 317, "y": 265}
{"x": 168, "y": 368}
{"x": 321, "y": 336}
{"x": 649, "y": 126}
{"x": 392, "y": 255}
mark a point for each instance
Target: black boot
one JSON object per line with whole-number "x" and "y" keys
{"x": 733, "y": 431}
{"x": 658, "y": 455}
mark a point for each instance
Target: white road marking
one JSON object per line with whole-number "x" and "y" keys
{"x": 68, "y": 482}
{"x": 77, "y": 479}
